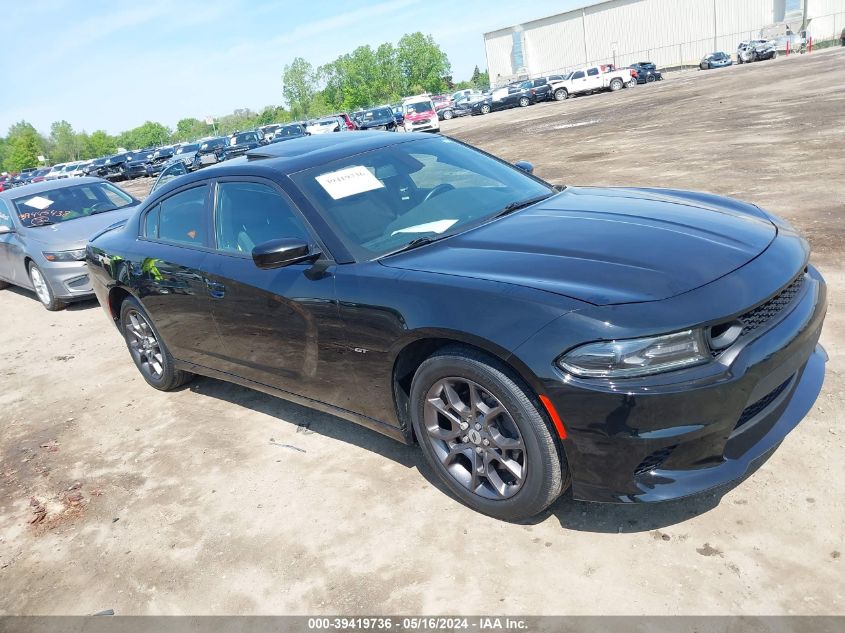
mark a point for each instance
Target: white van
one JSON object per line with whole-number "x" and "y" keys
{"x": 420, "y": 115}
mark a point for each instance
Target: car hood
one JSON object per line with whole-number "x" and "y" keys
{"x": 606, "y": 246}
{"x": 76, "y": 233}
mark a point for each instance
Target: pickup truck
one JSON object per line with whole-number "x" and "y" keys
{"x": 592, "y": 79}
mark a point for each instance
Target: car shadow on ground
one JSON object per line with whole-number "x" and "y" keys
{"x": 570, "y": 513}
{"x": 76, "y": 305}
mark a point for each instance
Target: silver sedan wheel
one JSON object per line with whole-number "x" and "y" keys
{"x": 475, "y": 437}
{"x": 144, "y": 345}
{"x": 40, "y": 285}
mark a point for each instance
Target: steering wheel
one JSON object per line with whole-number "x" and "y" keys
{"x": 99, "y": 205}
{"x": 441, "y": 188}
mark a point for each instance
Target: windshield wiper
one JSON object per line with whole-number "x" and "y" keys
{"x": 417, "y": 242}
{"x": 96, "y": 211}
{"x": 516, "y": 206}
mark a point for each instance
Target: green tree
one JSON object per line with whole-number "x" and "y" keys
{"x": 190, "y": 129}
{"x": 480, "y": 80}
{"x": 148, "y": 134}
{"x": 63, "y": 142}
{"x": 423, "y": 63}
{"x": 101, "y": 144}
{"x": 23, "y": 146}
{"x": 299, "y": 85}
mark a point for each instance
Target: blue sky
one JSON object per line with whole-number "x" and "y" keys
{"x": 114, "y": 64}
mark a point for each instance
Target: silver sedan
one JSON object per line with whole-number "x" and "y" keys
{"x": 44, "y": 228}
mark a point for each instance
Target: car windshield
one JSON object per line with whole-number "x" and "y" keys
{"x": 380, "y": 201}
{"x": 213, "y": 143}
{"x": 289, "y": 130}
{"x": 243, "y": 138}
{"x": 379, "y": 113}
{"x": 186, "y": 149}
{"x": 69, "y": 203}
{"x": 419, "y": 107}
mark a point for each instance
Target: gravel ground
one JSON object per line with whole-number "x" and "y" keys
{"x": 219, "y": 500}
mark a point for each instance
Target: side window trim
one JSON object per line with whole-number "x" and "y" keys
{"x": 313, "y": 235}
{"x": 157, "y": 208}
{"x": 153, "y": 210}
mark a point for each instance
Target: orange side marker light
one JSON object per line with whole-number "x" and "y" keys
{"x": 550, "y": 409}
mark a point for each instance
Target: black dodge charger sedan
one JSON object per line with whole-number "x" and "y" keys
{"x": 634, "y": 344}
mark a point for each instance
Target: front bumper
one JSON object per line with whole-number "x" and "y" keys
{"x": 69, "y": 281}
{"x": 425, "y": 125}
{"x": 669, "y": 437}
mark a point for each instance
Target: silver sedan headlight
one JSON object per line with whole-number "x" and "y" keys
{"x": 636, "y": 357}
{"x": 64, "y": 256}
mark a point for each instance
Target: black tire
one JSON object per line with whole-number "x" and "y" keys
{"x": 524, "y": 102}
{"x": 616, "y": 84}
{"x": 650, "y": 79}
{"x": 447, "y": 115}
{"x": 43, "y": 290}
{"x": 561, "y": 94}
{"x": 543, "y": 466}
{"x": 485, "y": 109}
{"x": 168, "y": 378}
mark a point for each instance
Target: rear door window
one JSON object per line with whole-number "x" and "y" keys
{"x": 182, "y": 218}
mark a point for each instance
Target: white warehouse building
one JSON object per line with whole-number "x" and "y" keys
{"x": 670, "y": 33}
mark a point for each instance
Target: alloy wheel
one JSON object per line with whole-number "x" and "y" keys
{"x": 144, "y": 345}
{"x": 40, "y": 285}
{"x": 475, "y": 438}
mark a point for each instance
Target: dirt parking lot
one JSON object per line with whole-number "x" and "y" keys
{"x": 216, "y": 499}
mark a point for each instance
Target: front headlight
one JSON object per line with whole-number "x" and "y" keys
{"x": 64, "y": 256}
{"x": 636, "y": 357}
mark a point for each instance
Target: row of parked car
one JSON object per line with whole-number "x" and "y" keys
{"x": 747, "y": 52}
{"x": 547, "y": 88}
{"x": 412, "y": 114}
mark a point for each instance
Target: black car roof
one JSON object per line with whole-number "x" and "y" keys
{"x": 309, "y": 151}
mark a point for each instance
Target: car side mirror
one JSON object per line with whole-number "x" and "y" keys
{"x": 525, "y": 166}
{"x": 282, "y": 252}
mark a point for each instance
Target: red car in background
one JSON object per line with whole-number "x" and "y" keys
{"x": 444, "y": 106}
{"x": 350, "y": 124}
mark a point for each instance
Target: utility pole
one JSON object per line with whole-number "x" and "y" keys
{"x": 584, "y": 30}
{"x": 715, "y": 29}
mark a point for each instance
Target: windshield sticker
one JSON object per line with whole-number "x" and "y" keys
{"x": 38, "y": 202}
{"x": 437, "y": 226}
{"x": 348, "y": 182}
{"x": 40, "y": 218}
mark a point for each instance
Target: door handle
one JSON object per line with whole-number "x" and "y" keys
{"x": 216, "y": 290}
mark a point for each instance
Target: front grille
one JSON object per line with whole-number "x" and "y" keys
{"x": 762, "y": 314}
{"x": 654, "y": 460}
{"x": 753, "y": 410}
